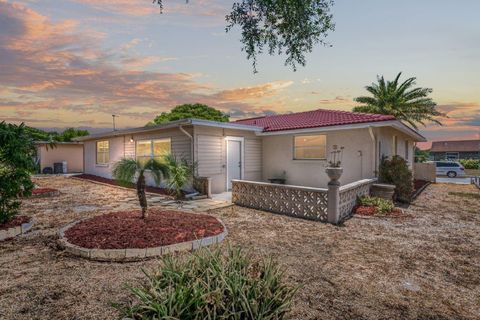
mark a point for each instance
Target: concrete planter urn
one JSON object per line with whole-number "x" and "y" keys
{"x": 334, "y": 173}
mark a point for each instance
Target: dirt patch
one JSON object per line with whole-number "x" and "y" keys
{"x": 15, "y": 222}
{"x": 92, "y": 177}
{"x": 121, "y": 230}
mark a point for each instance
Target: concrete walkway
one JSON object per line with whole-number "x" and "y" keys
{"x": 201, "y": 205}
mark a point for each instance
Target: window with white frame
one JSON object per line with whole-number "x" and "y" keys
{"x": 152, "y": 149}
{"x": 312, "y": 147}
{"x": 103, "y": 152}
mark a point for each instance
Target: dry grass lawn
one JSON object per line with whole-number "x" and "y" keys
{"x": 424, "y": 267}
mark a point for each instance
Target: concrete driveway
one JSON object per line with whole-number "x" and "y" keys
{"x": 444, "y": 179}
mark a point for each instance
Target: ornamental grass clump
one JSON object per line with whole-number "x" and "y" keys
{"x": 212, "y": 285}
{"x": 381, "y": 205}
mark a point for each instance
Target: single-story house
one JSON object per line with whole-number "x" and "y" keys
{"x": 455, "y": 150}
{"x": 294, "y": 147}
{"x": 69, "y": 152}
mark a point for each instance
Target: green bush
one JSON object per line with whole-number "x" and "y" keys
{"x": 16, "y": 165}
{"x": 470, "y": 163}
{"x": 396, "y": 172}
{"x": 382, "y": 205}
{"x": 212, "y": 285}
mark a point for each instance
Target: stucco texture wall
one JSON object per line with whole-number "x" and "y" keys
{"x": 356, "y": 161}
{"x": 71, "y": 153}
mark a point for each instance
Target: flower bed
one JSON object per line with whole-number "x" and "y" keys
{"x": 45, "y": 192}
{"x": 112, "y": 182}
{"x": 369, "y": 211}
{"x": 124, "y": 235}
{"x": 14, "y": 227}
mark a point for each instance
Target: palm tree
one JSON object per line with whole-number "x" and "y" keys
{"x": 125, "y": 171}
{"x": 180, "y": 173}
{"x": 400, "y": 100}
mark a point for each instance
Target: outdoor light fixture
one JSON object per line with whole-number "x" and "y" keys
{"x": 131, "y": 138}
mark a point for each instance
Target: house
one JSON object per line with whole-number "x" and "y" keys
{"x": 455, "y": 150}
{"x": 294, "y": 147}
{"x": 69, "y": 152}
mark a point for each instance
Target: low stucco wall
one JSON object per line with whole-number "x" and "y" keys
{"x": 424, "y": 171}
{"x": 71, "y": 153}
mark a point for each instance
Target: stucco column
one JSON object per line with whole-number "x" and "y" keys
{"x": 333, "y": 195}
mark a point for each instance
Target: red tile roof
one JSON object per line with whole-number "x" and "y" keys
{"x": 312, "y": 119}
{"x": 456, "y": 146}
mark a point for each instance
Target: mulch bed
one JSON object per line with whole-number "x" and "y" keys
{"x": 126, "y": 229}
{"x": 368, "y": 211}
{"x": 15, "y": 222}
{"x": 112, "y": 182}
{"x": 43, "y": 191}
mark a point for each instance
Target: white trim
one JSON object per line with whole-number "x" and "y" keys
{"x": 389, "y": 123}
{"x": 242, "y": 157}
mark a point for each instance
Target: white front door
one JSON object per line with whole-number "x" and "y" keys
{"x": 234, "y": 161}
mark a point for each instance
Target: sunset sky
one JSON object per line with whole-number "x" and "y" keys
{"x": 76, "y": 62}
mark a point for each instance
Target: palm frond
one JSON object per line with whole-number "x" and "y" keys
{"x": 124, "y": 171}
{"x": 159, "y": 170}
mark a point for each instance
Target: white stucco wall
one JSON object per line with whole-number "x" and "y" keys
{"x": 278, "y": 157}
{"x": 71, "y": 153}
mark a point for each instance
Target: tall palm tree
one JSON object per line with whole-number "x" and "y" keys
{"x": 126, "y": 169}
{"x": 400, "y": 100}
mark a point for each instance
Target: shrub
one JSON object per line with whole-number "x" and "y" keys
{"x": 396, "y": 172}
{"x": 16, "y": 165}
{"x": 382, "y": 205}
{"x": 470, "y": 163}
{"x": 211, "y": 285}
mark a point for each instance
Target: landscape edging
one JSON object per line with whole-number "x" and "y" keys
{"x": 16, "y": 231}
{"x": 134, "y": 254}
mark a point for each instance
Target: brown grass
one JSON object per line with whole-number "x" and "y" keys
{"x": 425, "y": 267}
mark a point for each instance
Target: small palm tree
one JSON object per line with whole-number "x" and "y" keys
{"x": 125, "y": 171}
{"x": 180, "y": 173}
{"x": 400, "y": 100}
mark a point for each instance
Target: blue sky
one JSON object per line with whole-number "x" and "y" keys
{"x": 75, "y": 62}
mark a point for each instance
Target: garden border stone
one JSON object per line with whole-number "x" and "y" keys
{"x": 16, "y": 231}
{"x": 135, "y": 254}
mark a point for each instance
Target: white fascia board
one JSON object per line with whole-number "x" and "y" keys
{"x": 389, "y": 123}
{"x": 225, "y": 125}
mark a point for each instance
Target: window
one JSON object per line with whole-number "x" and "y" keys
{"x": 103, "y": 152}
{"x": 152, "y": 149}
{"x": 394, "y": 146}
{"x": 452, "y": 155}
{"x": 407, "y": 153}
{"x": 309, "y": 147}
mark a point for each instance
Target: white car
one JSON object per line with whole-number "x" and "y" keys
{"x": 450, "y": 169}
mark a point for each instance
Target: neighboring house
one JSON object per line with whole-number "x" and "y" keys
{"x": 71, "y": 152}
{"x": 455, "y": 150}
{"x": 292, "y": 146}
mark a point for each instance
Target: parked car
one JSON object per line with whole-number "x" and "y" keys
{"x": 450, "y": 169}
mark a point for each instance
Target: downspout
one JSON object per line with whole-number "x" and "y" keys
{"x": 191, "y": 141}
{"x": 374, "y": 151}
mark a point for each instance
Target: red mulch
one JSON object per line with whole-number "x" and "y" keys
{"x": 115, "y": 183}
{"x": 417, "y": 184}
{"x": 365, "y": 210}
{"x": 39, "y": 191}
{"x": 126, "y": 229}
{"x": 372, "y": 211}
{"x": 15, "y": 222}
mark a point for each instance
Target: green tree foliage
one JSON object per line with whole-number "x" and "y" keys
{"x": 16, "y": 165}
{"x": 470, "y": 163}
{"x": 186, "y": 111}
{"x": 125, "y": 171}
{"x": 66, "y": 136}
{"x": 212, "y": 285}
{"x": 290, "y": 27}
{"x": 180, "y": 172}
{"x": 421, "y": 155}
{"x": 395, "y": 171}
{"x": 400, "y": 100}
